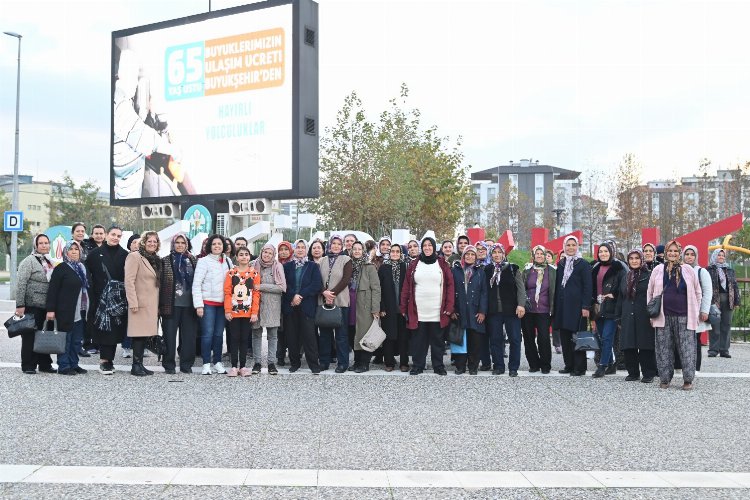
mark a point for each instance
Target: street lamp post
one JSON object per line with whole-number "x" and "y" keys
{"x": 14, "y": 234}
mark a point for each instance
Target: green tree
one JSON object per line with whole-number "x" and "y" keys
{"x": 390, "y": 173}
{"x": 71, "y": 203}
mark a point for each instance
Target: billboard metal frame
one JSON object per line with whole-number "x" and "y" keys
{"x": 304, "y": 105}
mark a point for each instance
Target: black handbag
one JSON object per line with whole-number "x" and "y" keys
{"x": 50, "y": 341}
{"x": 328, "y": 316}
{"x": 455, "y": 333}
{"x": 157, "y": 345}
{"x": 19, "y": 325}
{"x": 654, "y": 307}
{"x": 586, "y": 340}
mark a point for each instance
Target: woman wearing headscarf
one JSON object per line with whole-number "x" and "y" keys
{"x": 366, "y": 285}
{"x": 392, "y": 274}
{"x": 412, "y": 251}
{"x": 381, "y": 252}
{"x": 427, "y": 301}
{"x": 506, "y": 308}
{"x": 681, "y": 295}
{"x": 298, "y": 304}
{"x": 483, "y": 253}
{"x": 142, "y": 279}
{"x": 572, "y": 300}
{"x": 349, "y": 240}
{"x": 725, "y": 298}
{"x": 660, "y": 254}
{"x": 636, "y": 333}
{"x": 539, "y": 280}
{"x": 272, "y": 287}
{"x": 336, "y": 272}
{"x": 285, "y": 252}
{"x": 649, "y": 254}
{"x": 690, "y": 257}
{"x": 176, "y": 305}
{"x": 606, "y": 275}
{"x": 470, "y": 308}
{"x": 34, "y": 273}
{"x": 67, "y": 303}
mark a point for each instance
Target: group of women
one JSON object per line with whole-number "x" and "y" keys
{"x": 420, "y": 295}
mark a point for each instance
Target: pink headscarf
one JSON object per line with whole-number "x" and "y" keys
{"x": 276, "y": 267}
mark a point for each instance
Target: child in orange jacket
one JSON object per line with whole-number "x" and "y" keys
{"x": 241, "y": 306}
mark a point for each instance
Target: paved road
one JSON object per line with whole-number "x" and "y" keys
{"x": 381, "y": 421}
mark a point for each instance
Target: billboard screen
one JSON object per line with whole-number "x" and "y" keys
{"x": 209, "y": 106}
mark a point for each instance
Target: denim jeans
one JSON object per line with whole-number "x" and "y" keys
{"x": 512, "y": 324}
{"x": 212, "y": 336}
{"x": 606, "y": 329}
{"x": 73, "y": 343}
{"x": 342, "y": 342}
{"x": 127, "y": 342}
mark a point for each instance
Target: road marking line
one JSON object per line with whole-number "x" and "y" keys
{"x": 28, "y": 473}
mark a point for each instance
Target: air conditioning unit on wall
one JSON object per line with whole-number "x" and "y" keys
{"x": 160, "y": 211}
{"x": 222, "y": 224}
{"x": 258, "y": 206}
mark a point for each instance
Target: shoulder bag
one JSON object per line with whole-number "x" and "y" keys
{"x": 374, "y": 337}
{"x": 50, "y": 341}
{"x": 328, "y": 316}
{"x": 654, "y": 307}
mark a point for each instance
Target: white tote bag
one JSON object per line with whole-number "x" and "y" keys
{"x": 374, "y": 337}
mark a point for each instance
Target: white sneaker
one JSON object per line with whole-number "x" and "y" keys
{"x": 126, "y": 353}
{"x": 206, "y": 369}
{"x": 219, "y": 368}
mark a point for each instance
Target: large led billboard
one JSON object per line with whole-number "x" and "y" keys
{"x": 220, "y": 105}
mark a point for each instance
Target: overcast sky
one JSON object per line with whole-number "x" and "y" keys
{"x": 575, "y": 84}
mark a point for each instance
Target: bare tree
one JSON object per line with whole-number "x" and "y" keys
{"x": 592, "y": 211}
{"x": 706, "y": 194}
{"x": 510, "y": 209}
{"x": 632, "y": 199}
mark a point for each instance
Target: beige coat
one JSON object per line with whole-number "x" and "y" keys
{"x": 142, "y": 291}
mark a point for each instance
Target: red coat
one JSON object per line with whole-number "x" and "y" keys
{"x": 408, "y": 305}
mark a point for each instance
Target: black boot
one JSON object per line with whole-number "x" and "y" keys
{"x": 138, "y": 369}
{"x": 355, "y": 366}
{"x": 364, "y": 362}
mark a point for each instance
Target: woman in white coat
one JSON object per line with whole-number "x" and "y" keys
{"x": 208, "y": 300}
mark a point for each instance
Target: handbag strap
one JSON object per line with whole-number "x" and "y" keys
{"x": 106, "y": 271}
